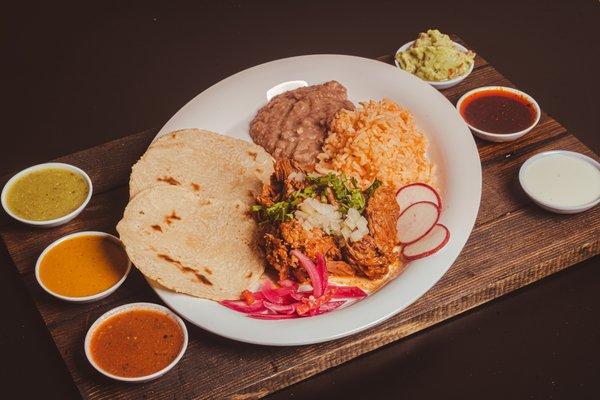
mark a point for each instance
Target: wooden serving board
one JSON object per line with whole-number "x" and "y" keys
{"x": 514, "y": 243}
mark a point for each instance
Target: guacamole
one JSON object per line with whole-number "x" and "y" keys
{"x": 433, "y": 57}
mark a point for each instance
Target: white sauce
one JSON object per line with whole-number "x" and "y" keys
{"x": 562, "y": 180}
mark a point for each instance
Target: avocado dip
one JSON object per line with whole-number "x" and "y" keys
{"x": 434, "y": 57}
{"x": 46, "y": 194}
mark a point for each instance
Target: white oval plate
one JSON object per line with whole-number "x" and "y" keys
{"x": 228, "y": 107}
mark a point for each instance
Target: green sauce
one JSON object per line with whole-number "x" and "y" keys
{"x": 46, "y": 194}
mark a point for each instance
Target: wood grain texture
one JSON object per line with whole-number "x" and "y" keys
{"x": 514, "y": 243}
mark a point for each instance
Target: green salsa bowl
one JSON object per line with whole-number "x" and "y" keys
{"x": 47, "y": 195}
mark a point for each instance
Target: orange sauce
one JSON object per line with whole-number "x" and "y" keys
{"x": 136, "y": 343}
{"x": 83, "y": 266}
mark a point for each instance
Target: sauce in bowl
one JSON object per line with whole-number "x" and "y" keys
{"x": 83, "y": 266}
{"x": 498, "y": 111}
{"x": 137, "y": 342}
{"x": 561, "y": 181}
{"x": 46, "y": 194}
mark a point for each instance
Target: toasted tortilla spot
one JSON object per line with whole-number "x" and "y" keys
{"x": 249, "y": 274}
{"x": 169, "y": 218}
{"x": 204, "y": 279}
{"x": 157, "y": 228}
{"x": 195, "y": 186}
{"x": 168, "y": 179}
{"x": 252, "y": 154}
{"x": 183, "y": 268}
{"x": 259, "y": 170}
{"x": 208, "y": 270}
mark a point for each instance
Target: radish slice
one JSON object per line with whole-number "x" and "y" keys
{"x": 434, "y": 240}
{"x": 415, "y": 193}
{"x": 416, "y": 221}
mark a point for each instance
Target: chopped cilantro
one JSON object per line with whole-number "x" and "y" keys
{"x": 345, "y": 191}
{"x": 369, "y": 191}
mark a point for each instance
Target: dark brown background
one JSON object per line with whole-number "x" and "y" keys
{"x": 76, "y": 75}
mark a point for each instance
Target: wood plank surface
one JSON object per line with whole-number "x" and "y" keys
{"x": 514, "y": 243}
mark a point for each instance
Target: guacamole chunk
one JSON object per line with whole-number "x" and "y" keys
{"x": 433, "y": 57}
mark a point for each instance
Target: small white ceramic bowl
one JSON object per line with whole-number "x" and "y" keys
{"x": 284, "y": 87}
{"x": 497, "y": 137}
{"x": 440, "y": 84}
{"x": 83, "y": 299}
{"x": 125, "y": 308}
{"x": 52, "y": 222}
{"x": 553, "y": 207}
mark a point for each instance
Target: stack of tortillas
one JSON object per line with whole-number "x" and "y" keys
{"x": 187, "y": 225}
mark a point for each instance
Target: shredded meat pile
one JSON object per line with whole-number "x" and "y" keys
{"x": 373, "y": 254}
{"x": 369, "y": 257}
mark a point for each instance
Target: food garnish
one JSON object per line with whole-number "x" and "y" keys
{"x": 346, "y": 194}
{"x": 434, "y": 57}
{"x": 417, "y": 227}
{"x": 433, "y": 241}
{"x": 415, "y": 192}
{"x": 416, "y": 221}
{"x": 289, "y": 301}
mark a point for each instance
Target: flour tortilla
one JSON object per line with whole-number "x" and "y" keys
{"x": 201, "y": 246}
{"x": 205, "y": 162}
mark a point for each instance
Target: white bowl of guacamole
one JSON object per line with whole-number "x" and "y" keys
{"x": 436, "y": 59}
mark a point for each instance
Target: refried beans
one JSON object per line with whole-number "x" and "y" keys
{"x": 294, "y": 124}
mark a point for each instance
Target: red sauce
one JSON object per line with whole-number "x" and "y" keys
{"x": 498, "y": 111}
{"x": 136, "y": 343}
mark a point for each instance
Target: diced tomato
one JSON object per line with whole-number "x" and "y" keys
{"x": 312, "y": 303}
{"x": 248, "y": 297}
{"x": 343, "y": 292}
